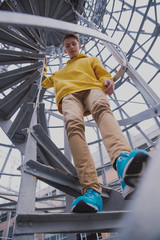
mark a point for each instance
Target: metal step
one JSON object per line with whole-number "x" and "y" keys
{"x": 14, "y": 100}
{"x": 70, "y": 185}
{"x": 30, "y": 33}
{"x": 11, "y": 37}
{"x": 14, "y": 77}
{"x": 69, "y": 222}
{"x": 61, "y": 10}
{"x": 23, "y": 118}
{"x": 53, "y": 155}
{"x": 21, "y": 122}
{"x": 9, "y": 57}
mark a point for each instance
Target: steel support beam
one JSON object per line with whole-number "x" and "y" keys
{"x": 69, "y": 222}
{"x": 26, "y": 199}
{"x": 67, "y": 152}
{"x": 47, "y": 23}
{"x": 17, "y": 38}
{"x": 147, "y": 114}
{"x": 57, "y": 159}
{"x": 139, "y": 117}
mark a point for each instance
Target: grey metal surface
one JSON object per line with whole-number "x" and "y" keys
{"x": 147, "y": 114}
{"x": 61, "y": 180}
{"x": 13, "y": 57}
{"x": 17, "y": 40}
{"x": 41, "y": 118}
{"x": 146, "y": 212}
{"x": 69, "y": 222}
{"x": 112, "y": 200}
{"x": 13, "y": 77}
{"x": 28, "y": 184}
{"x": 38, "y": 21}
{"x": 23, "y": 118}
{"x": 27, "y": 191}
{"x": 53, "y": 155}
{"x": 60, "y": 10}
{"x": 12, "y": 102}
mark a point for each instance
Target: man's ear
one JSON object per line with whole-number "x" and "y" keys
{"x": 80, "y": 46}
{"x": 65, "y": 50}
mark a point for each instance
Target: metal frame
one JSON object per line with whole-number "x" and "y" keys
{"x": 28, "y": 148}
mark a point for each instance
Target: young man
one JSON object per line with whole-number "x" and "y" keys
{"x": 80, "y": 89}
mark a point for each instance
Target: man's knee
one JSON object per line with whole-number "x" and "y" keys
{"x": 74, "y": 126}
{"x": 99, "y": 108}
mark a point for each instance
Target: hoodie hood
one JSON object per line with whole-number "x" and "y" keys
{"x": 80, "y": 55}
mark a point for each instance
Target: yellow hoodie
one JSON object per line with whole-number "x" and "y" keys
{"x": 80, "y": 73}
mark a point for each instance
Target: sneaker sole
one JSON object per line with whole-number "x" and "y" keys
{"x": 82, "y": 207}
{"x": 134, "y": 169}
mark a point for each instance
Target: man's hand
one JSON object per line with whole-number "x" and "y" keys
{"x": 109, "y": 84}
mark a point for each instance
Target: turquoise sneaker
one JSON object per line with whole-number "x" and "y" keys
{"x": 90, "y": 202}
{"x": 130, "y": 167}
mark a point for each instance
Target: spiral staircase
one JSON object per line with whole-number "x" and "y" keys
{"x": 30, "y": 30}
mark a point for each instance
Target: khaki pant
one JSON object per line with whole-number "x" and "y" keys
{"x": 73, "y": 106}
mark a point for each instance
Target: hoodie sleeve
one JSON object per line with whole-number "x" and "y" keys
{"x": 99, "y": 70}
{"x": 48, "y": 82}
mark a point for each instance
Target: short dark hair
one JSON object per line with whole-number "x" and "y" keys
{"x": 70, "y": 35}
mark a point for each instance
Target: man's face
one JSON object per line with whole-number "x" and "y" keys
{"x": 71, "y": 47}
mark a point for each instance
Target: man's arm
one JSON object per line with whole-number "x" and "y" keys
{"x": 48, "y": 81}
{"x": 103, "y": 76}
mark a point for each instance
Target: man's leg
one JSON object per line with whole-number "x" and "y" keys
{"x": 73, "y": 109}
{"x": 113, "y": 138}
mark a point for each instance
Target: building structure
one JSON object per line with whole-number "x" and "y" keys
{"x": 131, "y": 52}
